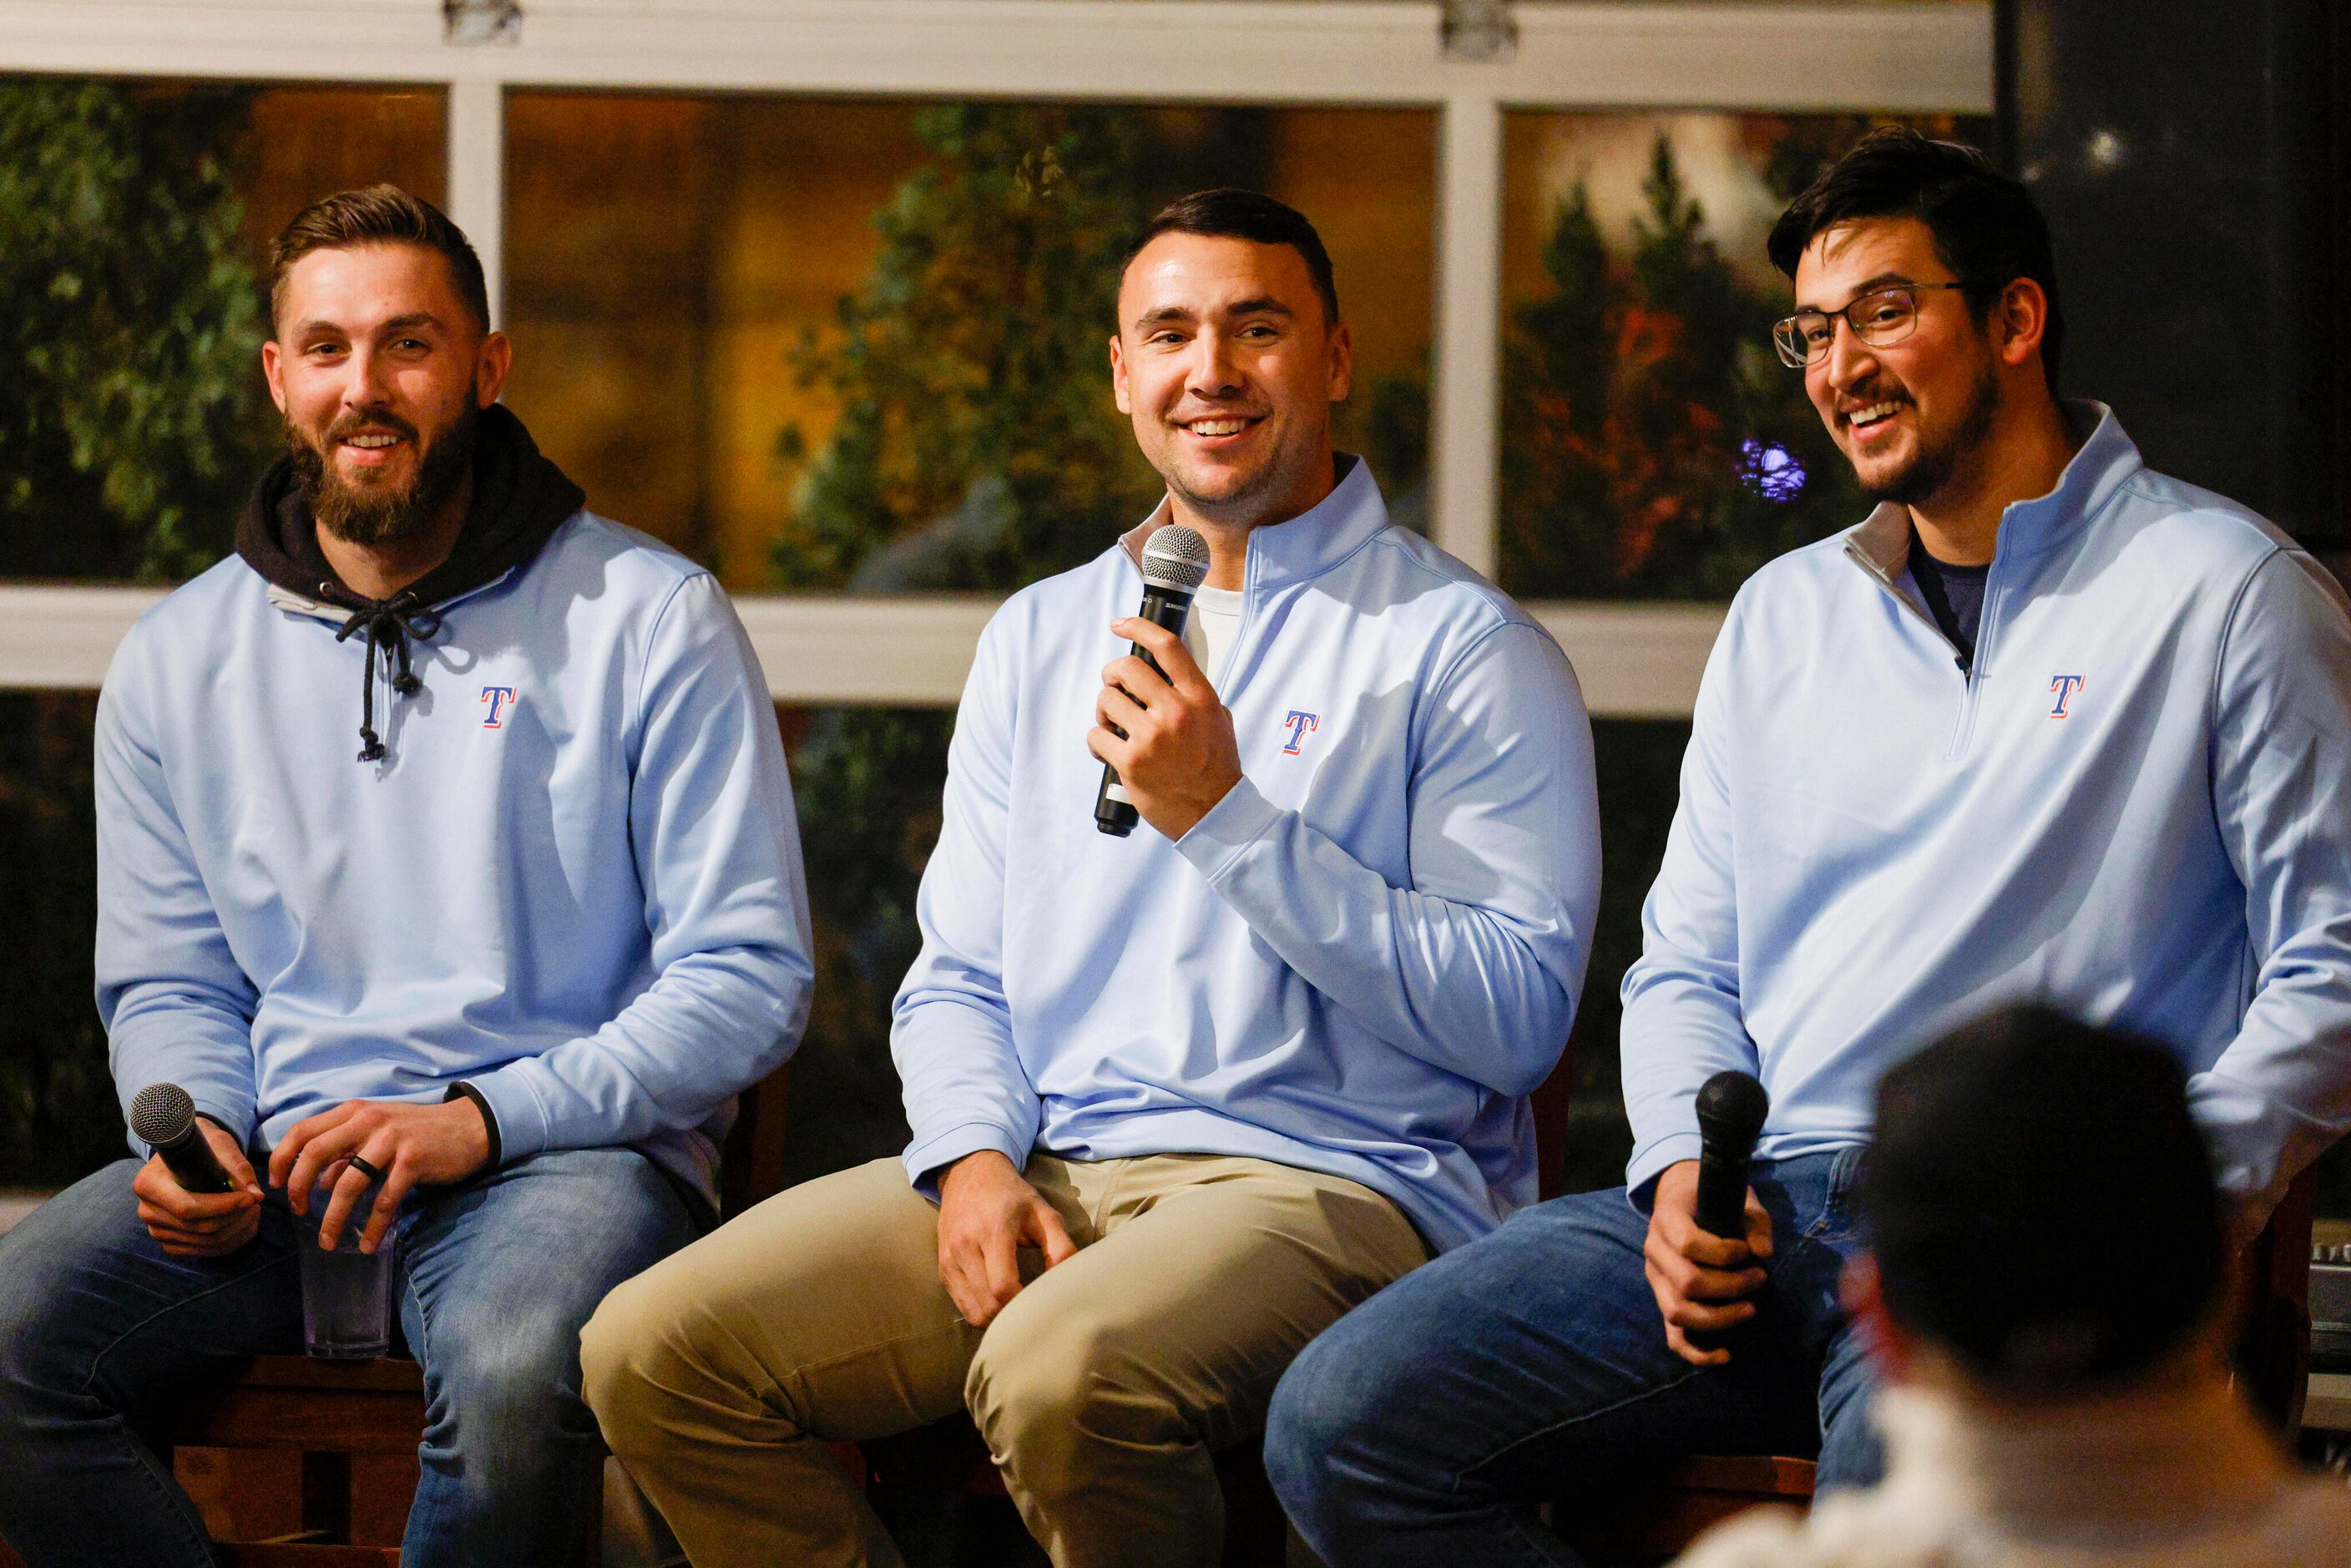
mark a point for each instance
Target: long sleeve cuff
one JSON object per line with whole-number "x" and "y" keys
{"x": 519, "y": 1123}
{"x": 489, "y": 1119}
{"x": 1231, "y": 826}
{"x": 1649, "y": 1164}
{"x": 242, "y": 1130}
{"x": 926, "y": 1159}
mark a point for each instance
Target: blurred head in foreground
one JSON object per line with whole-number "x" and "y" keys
{"x": 2042, "y": 1220}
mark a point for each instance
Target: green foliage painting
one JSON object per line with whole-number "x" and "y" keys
{"x": 976, "y": 449}
{"x": 1653, "y": 444}
{"x": 131, "y": 423}
{"x": 131, "y": 419}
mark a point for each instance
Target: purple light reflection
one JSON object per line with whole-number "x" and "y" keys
{"x": 1770, "y": 470}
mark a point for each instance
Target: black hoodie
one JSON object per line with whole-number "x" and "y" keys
{"x": 519, "y": 498}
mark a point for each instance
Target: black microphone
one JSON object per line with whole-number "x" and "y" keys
{"x": 1730, "y": 1111}
{"x": 164, "y": 1118}
{"x": 1175, "y": 564}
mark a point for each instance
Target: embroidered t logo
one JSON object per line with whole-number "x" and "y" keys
{"x": 2064, "y": 687}
{"x": 500, "y": 698}
{"x": 1301, "y": 723}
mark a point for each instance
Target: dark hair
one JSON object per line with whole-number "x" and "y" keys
{"x": 1987, "y": 229}
{"x": 1229, "y": 212}
{"x": 379, "y": 215}
{"x": 2041, "y": 1205}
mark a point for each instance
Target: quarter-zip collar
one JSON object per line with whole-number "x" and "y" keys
{"x": 520, "y": 499}
{"x": 2107, "y": 460}
{"x": 1309, "y": 544}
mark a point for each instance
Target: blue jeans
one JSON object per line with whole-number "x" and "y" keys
{"x": 1425, "y": 1425}
{"x": 98, "y": 1325}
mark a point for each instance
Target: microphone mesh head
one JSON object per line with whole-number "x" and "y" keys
{"x": 162, "y": 1113}
{"x": 1175, "y": 557}
{"x": 1732, "y": 1107}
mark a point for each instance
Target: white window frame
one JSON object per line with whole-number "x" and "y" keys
{"x": 1635, "y": 660}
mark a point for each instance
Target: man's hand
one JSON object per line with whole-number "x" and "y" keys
{"x": 409, "y": 1144}
{"x": 1177, "y": 757}
{"x": 987, "y": 1214}
{"x": 200, "y": 1224}
{"x": 1698, "y": 1278}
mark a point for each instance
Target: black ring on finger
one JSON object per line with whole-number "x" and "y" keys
{"x": 361, "y": 1163}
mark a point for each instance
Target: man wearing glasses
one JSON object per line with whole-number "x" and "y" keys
{"x": 2047, "y": 725}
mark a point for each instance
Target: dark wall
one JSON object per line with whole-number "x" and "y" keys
{"x": 2192, "y": 159}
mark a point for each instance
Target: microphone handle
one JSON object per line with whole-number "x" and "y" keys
{"x": 1721, "y": 1192}
{"x": 1113, "y": 814}
{"x": 193, "y": 1164}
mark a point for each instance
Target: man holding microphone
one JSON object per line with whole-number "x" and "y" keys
{"x": 482, "y": 977}
{"x": 1179, "y": 1097}
{"x": 2046, "y": 726}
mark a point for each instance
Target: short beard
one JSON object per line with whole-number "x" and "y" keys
{"x": 1250, "y": 493}
{"x": 1931, "y": 470}
{"x": 1246, "y": 501}
{"x": 374, "y": 520}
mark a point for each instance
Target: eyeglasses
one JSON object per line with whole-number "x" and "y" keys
{"x": 1879, "y": 318}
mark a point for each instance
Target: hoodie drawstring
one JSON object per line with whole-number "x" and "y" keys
{"x": 390, "y": 622}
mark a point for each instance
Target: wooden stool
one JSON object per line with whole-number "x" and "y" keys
{"x": 331, "y": 1414}
{"x": 364, "y": 1419}
{"x": 949, "y": 1455}
{"x": 1653, "y": 1522}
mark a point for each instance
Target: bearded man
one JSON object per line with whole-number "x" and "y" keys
{"x": 2047, "y": 725}
{"x": 483, "y": 984}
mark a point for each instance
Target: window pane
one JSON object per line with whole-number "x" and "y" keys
{"x": 1653, "y": 444}
{"x": 58, "y": 1118}
{"x": 867, "y": 782}
{"x": 139, "y": 215}
{"x": 862, "y": 345}
{"x": 1637, "y": 768}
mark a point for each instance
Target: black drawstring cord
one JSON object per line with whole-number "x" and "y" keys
{"x": 390, "y": 622}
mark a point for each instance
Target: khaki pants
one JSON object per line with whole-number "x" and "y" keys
{"x": 1102, "y": 1389}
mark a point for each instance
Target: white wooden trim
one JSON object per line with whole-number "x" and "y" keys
{"x": 910, "y": 652}
{"x": 1920, "y": 56}
{"x": 63, "y": 637}
{"x": 477, "y": 176}
{"x": 1635, "y": 661}
{"x": 1465, "y": 410}
{"x": 2328, "y": 1408}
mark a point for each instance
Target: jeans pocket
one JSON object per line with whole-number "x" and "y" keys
{"x": 1840, "y": 1204}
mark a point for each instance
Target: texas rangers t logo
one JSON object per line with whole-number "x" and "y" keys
{"x": 1300, "y": 724}
{"x": 499, "y": 699}
{"x": 2064, "y": 687}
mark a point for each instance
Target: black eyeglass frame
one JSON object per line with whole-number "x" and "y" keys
{"x": 1783, "y": 329}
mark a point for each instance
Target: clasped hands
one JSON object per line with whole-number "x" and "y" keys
{"x": 1169, "y": 735}
{"x": 411, "y": 1144}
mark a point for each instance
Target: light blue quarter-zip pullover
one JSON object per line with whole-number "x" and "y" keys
{"x": 572, "y": 881}
{"x": 1358, "y": 963}
{"x": 2137, "y": 806}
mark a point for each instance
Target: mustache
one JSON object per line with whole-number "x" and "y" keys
{"x": 357, "y": 424}
{"x": 1864, "y": 397}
